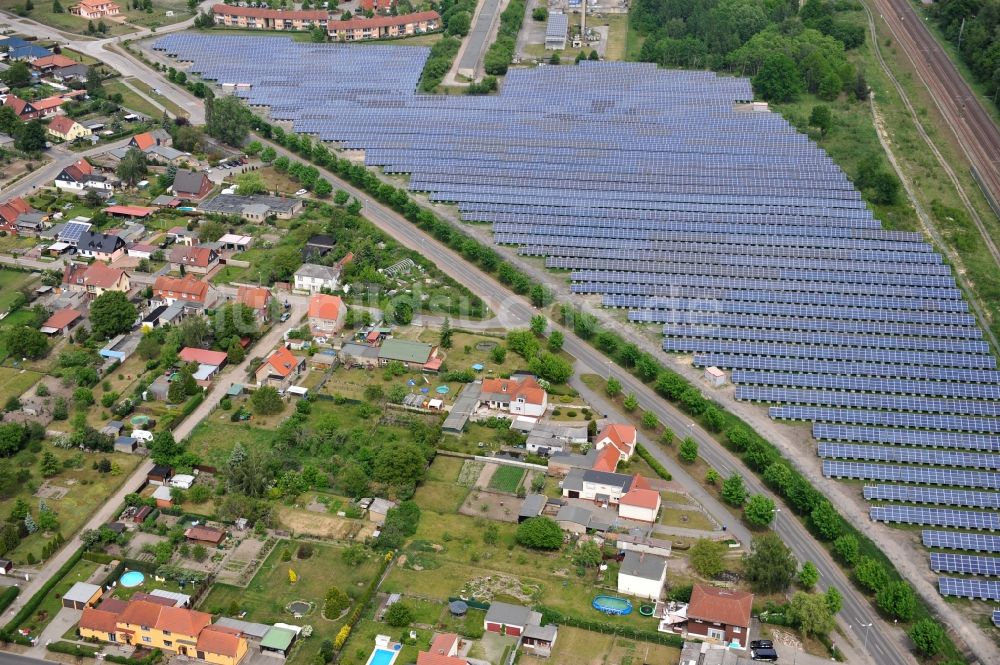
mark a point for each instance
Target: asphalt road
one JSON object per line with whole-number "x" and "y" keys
{"x": 15, "y": 659}
{"x": 476, "y": 42}
{"x": 886, "y": 645}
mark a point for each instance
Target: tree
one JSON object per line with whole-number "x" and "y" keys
{"x": 821, "y": 118}
{"x": 112, "y": 314}
{"x": 846, "y": 548}
{"x": 538, "y": 324}
{"x": 706, "y": 557}
{"x": 26, "y": 342}
{"x": 808, "y": 575}
{"x": 132, "y": 167}
{"x": 164, "y": 449}
{"x": 250, "y": 183}
{"x": 268, "y": 155}
{"x": 688, "y": 451}
{"x": 871, "y": 574}
{"x": 498, "y": 354}
{"x": 825, "y": 519}
{"x": 551, "y": 367}
{"x": 266, "y": 401}
{"x": 897, "y": 600}
{"x": 734, "y": 492}
{"x": 399, "y": 464}
{"x": 833, "y": 599}
{"x": 613, "y": 387}
{"x": 227, "y": 119}
{"x": 588, "y": 555}
{"x": 539, "y": 13}
{"x": 399, "y": 615}
{"x": 779, "y": 79}
{"x": 176, "y": 392}
{"x": 29, "y": 524}
{"x": 812, "y": 613}
{"x": 199, "y": 553}
{"x": 18, "y": 75}
{"x": 770, "y": 565}
{"x": 630, "y": 403}
{"x": 353, "y": 480}
{"x": 336, "y": 602}
{"x": 30, "y": 137}
{"x": 556, "y": 339}
{"x": 759, "y": 510}
{"x": 323, "y": 188}
{"x": 539, "y": 533}
{"x": 446, "y": 334}
{"x": 649, "y": 420}
{"x": 318, "y": 34}
{"x": 50, "y": 464}
{"x": 928, "y": 636}
{"x": 8, "y": 119}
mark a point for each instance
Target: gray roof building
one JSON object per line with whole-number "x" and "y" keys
{"x": 545, "y": 633}
{"x": 81, "y": 592}
{"x": 531, "y": 506}
{"x": 316, "y": 271}
{"x": 92, "y": 241}
{"x": 248, "y": 628}
{"x": 512, "y": 615}
{"x": 577, "y": 477}
{"x": 234, "y": 204}
{"x": 575, "y": 515}
{"x": 646, "y": 566}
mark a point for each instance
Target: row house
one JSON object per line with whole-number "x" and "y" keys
{"x": 259, "y": 18}
{"x": 384, "y": 27}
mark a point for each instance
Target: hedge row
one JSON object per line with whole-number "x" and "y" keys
{"x": 758, "y": 454}
{"x": 98, "y": 557}
{"x": 550, "y": 615}
{"x": 76, "y": 650}
{"x": 153, "y": 657}
{"x": 7, "y": 597}
{"x": 36, "y": 600}
{"x": 362, "y": 602}
{"x": 660, "y": 470}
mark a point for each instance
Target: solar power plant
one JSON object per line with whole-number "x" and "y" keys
{"x": 964, "y": 519}
{"x": 964, "y": 588}
{"x": 932, "y": 495}
{"x": 943, "y": 562}
{"x": 951, "y": 540}
{"x": 668, "y": 196}
{"x": 996, "y": 618}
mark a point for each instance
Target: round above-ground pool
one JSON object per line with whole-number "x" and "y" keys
{"x": 612, "y": 605}
{"x": 131, "y": 579}
{"x": 647, "y": 610}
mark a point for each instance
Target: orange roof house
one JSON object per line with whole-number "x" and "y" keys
{"x": 221, "y": 641}
{"x": 722, "y": 611}
{"x": 619, "y": 436}
{"x": 443, "y": 651}
{"x": 67, "y": 129}
{"x": 194, "y": 258}
{"x": 641, "y": 502}
{"x": 255, "y": 298}
{"x": 280, "y": 368}
{"x": 326, "y": 314}
{"x": 54, "y": 61}
{"x": 522, "y": 397}
{"x": 607, "y": 460}
{"x": 92, "y": 9}
{"x": 189, "y": 354}
{"x": 185, "y": 289}
{"x": 10, "y": 210}
{"x": 60, "y": 321}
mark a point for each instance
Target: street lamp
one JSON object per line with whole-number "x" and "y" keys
{"x": 867, "y": 627}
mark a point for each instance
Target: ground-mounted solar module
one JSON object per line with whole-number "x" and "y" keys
{"x": 947, "y": 517}
{"x": 969, "y": 588}
{"x": 932, "y": 495}
{"x": 965, "y": 564}
{"x": 669, "y": 197}
{"x": 953, "y": 540}
{"x": 996, "y": 618}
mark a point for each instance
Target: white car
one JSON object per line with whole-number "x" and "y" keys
{"x": 302, "y": 192}
{"x": 142, "y": 435}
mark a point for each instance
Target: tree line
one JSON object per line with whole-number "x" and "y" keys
{"x": 973, "y": 27}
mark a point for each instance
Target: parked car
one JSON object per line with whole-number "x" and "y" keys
{"x": 284, "y": 317}
{"x": 302, "y": 192}
{"x": 763, "y": 650}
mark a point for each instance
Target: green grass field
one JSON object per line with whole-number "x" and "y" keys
{"x": 131, "y": 100}
{"x": 52, "y": 603}
{"x": 10, "y": 282}
{"x": 14, "y": 382}
{"x": 507, "y": 479}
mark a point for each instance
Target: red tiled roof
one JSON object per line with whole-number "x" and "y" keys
{"x": 219, "y": 640}
{"x": 62, "y": 318}
{"x": 618, "y": 434}
{"x": 61, "y": 124}
{"x": 156, "y": 600}
{"x": 79, "y": 170}
{"x": 143, "y": 141}
{"x": 199, "y": 257}
{"x": 54, "y": 60}
{"x": 259, "y": 12}
{"x": 131, "y": 211}
{"x": 102, "y": 276}
{"x": 193, "y": 289}
{"x": 527, "y": 388}
{"x": 205, "y": 533}
{"x": 431, "y": 658}
{"x": 190, "y": 354}
{"x": 710, "y": 603}
{"x": 283, "y": 361}
{"x": 11, "y": 209}
{"x": 607, "y": 459}
{"x": 641, "y": 498}
{"x": 382, "y": 21}
{"x": 183, "y": 621}
{"x": 48, "y": 103}
{"x": 99, "y": 619}
{"x": 140, "y": 613}
{"x": 323, "y": 306}
{"x": 443, "y": 643}
{"x": 254, "y": 297}
{"x": 15, "y": 103}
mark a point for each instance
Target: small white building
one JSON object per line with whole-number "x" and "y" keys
{"x": 642, "y": 575}
{"x": 313, "y": 278}
{"x": 715, "y": 377}
{"x": 182, "y": 481}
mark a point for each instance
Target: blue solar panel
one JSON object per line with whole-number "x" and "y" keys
{"x": 996, "y": 618}
{"x": 885, "y": 418}
{"x": 980, "y": 589}
{"x": 968, "y": 564}
{"x": 908, "y": 455}
{"x": 72, "y": 231}
{"x": 867, "y": 384}
{"x": 932, "y": 495}
{"x": 953, "y": 540}
{"x": 823, "y": 431}
{"x": 911, "y": 474}
{"x": 964, "y": 519}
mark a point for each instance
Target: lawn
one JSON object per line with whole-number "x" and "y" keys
{"x": 160, "y": 99}
{"x": 131, "y": 100}
{"x": 52, "y": 603}
{"x": 86, "y": 490}
{"x": 11, "y": 281}
{"x": 14, "y": 382}
{"x": 214, "y": 437}
{"x": 507, "y": 478}
{"x": 270, "y": 591}
{"x": 67, "y": 22}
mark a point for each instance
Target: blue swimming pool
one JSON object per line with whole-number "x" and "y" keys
{"x": 382, "y": 656}
{"x": 131, "y": 579}
{"x": 612, "y": 605}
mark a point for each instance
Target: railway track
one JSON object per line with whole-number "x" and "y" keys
{"x": 977, "y": 134}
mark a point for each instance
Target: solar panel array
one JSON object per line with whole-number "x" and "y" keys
{"x": 665, "y": 195}
{"x": 966, "y": 588}
{"x": 944, "y": 562}
{"x": 952, "y": 540}
{"x": 996, "y": 618}
{"x": 964, "y": 519}
{"x": 932, "y": 495}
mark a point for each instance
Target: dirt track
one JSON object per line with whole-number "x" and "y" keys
{"x": 974, "y": 128}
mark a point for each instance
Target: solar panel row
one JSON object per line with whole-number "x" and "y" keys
{"x": 932, "y": 495}
{"x": 964, "y": 519}
{"x": 963, "y": 588}
{"x": 952, "y": 540}
{"x": 944, "y": 562}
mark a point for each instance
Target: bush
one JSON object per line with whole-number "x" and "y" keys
{"x": 540, "y": 13}
{"x": 399, "y": 615}
{"x": 539, "y": 533}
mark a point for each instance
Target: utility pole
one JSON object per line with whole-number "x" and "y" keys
{"x": 960, "y": 31}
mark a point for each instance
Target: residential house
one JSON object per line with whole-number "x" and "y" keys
{"x": 280, "y": 369}
{"x": 539, "y": 640}
{"x": 205, "y": 535}
{"x": 82, "y": 595}
{"x": 377, "y": 6}
{"x": 359, "y": 355}
{"x": 16, "y": 48}
{"x": 75, "y": 72}
{"x": 195, "y": 259}
{"x": 95, "y": 9}
{"x": 158, "y": 625}
{"x": 67, "y": 129}
{"x": 79, "y": 177}
{"x": 601, "y": 487}
{"x": 11, "y": 211}
{"x": 522, "y": 397}
{"x": 95, "y": 279}
{"x": 508, "y": 619}
{"x": 326, "y": 315}
{"x": 641, "y": 502}
{"x": 49, "y": 63}
{"x": 415, "y": 355}
{"x": 720, "y": 615}
{"x": 192, "y": 185}
{"x": 209, "y": 363}
{"x": 100, "y": 246}
{"x": 256, "y": 298}
{"x": 181, "y": 236}
{"x": 642, "y": 575}
{"x": 621, "y": 437}
{"x": 384, "y": 27}
{"x": 315, "y": 278}
{"x": 318, "y": 246}
{"x": 253, "y": 208}
{"x": 188, "y": 290}
{"x": 42, "y": 108}
{"x": 147, "y": 140}
{"x": 61, "y": 322}
{"x": 443, "y": 651}
{"x": 259, "y": 18}
{"x": 606, "y": 460}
